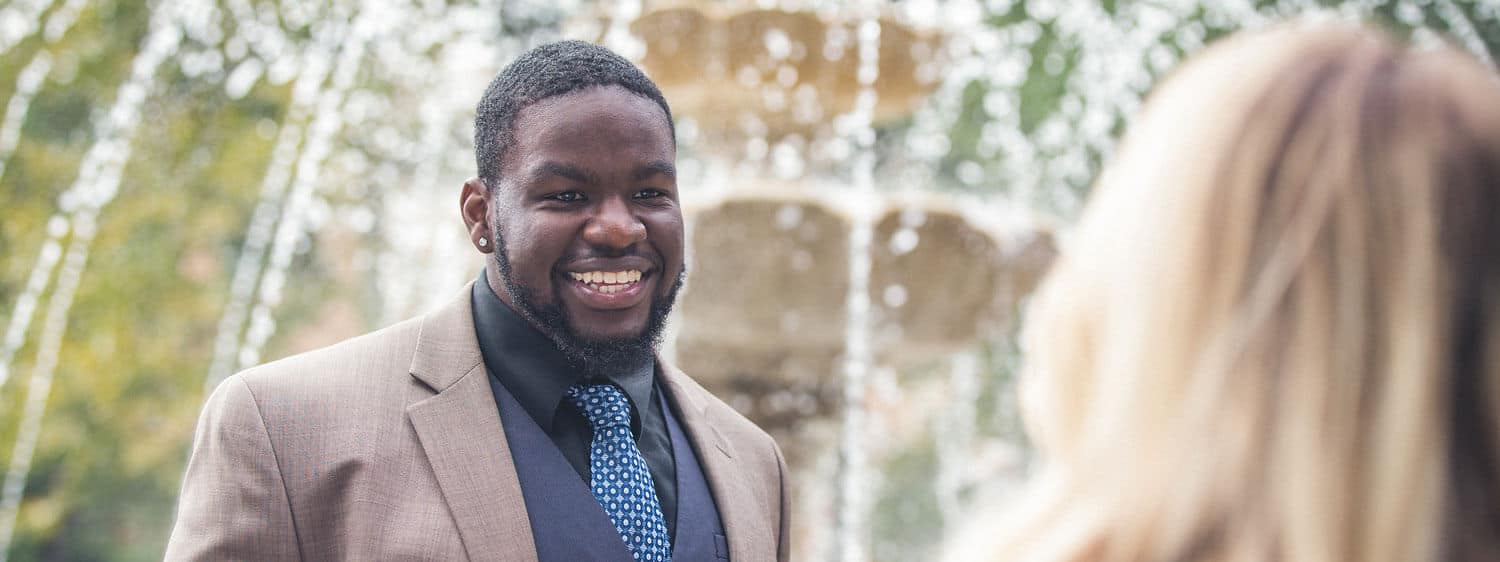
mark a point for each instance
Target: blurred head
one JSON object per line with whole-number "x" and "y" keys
{"x": 576, "y": 201}
{"x": 1276, "y": 333}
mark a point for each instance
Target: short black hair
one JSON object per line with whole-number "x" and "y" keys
{"x": 549, "y": 70}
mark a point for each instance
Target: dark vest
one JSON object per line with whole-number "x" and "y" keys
{"x": 569, "y": 525}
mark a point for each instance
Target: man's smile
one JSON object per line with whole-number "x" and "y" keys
{"x": 608, "y": 282}
{"x": 610, "y": 289}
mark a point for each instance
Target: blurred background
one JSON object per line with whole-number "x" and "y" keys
{"x": 190, "y": 187}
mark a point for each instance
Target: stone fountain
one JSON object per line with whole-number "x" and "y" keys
{"x": 765, "y": 321}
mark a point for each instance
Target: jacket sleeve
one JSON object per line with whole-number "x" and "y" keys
{"x": 234, "y": 505}
{"x": 784, "y": 536}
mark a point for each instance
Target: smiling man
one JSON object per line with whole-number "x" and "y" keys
{"x": 530, "y": 419}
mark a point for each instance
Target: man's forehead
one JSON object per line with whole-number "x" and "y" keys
{"x": 547, "y": 114}
{"x": 579, "y": 130}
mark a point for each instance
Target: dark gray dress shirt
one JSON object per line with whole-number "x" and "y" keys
{"x": 532, "y": 369}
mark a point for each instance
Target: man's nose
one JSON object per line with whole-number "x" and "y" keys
{"x": 614, "y": 226}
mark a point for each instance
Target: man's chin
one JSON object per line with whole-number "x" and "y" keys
{"x": 610, "y": 356}
{"x": 601, "y": 338}
{"x": 602, "y": 352}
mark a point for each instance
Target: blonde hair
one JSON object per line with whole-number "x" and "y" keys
{"x": 1275, "y": 335}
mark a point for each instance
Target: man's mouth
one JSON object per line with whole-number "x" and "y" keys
{"x": 608, "y": 282}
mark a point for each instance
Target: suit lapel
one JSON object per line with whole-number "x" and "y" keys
{"x": 746, "y": 521}
{"x": 460, "y": 432}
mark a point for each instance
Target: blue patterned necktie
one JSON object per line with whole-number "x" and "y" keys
{"x": 621, "y": 481}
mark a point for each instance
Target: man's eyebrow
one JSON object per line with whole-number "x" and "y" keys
{"x": 658, "y": 167}
{"x": 567, "y": 171}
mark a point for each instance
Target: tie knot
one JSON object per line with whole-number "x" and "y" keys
{"x": 603, "y": 404}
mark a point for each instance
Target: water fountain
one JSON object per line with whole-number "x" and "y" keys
{"x": 839, "y": 162}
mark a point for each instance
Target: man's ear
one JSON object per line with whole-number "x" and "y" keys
{"x": 474, "y": 205}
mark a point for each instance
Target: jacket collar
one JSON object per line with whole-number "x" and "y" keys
{"x": 460, "y": 432}
{"x": 446, "y": 347}
{"x": 747, "y": 522}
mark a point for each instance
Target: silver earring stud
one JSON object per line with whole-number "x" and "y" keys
{"x": 483, "y": 242}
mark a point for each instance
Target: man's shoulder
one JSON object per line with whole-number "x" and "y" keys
{"x": 751, "y": 458}
{"x": 374, "y": 359}
{"x": 729, "y": 422}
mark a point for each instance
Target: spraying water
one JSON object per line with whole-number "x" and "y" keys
{"x": 36, "y": 283}
{"x": 327, "y": 122}
{"x": 422, "y": 240}
{"x": 954, "y": 436}
{"x": 19, "y": 20}
{"x": 851, "y": 535}
{"x": 28, "y": 82}
{"x": 248, "y": 267}
{"x": 97, "y": 184}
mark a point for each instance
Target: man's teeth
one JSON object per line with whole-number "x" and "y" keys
{"x": 608, "y": 281}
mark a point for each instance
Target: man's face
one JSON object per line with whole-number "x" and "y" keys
{"x": 587, "y": 217}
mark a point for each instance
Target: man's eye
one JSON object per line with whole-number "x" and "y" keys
{"x": 567, "y": 197}
{"x": 649, "y": 194}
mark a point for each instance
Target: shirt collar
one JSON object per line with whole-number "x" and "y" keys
{"x": 531, "y": 367}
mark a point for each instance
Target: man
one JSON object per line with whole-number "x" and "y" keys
{"x": 530, "y": 418}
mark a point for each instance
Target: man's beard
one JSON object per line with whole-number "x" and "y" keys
{"x": 596, "y": 358}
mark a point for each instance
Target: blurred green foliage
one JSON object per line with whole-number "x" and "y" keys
{"x": 128, "y": 388}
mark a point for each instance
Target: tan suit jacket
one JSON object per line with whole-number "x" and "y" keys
{"x": 389, "y": 447}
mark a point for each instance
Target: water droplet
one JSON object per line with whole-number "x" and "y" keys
{"x": 786, "y": 76}
{"x": 970, "y": 172}
{"x": 913, "y": 217}
{"x": 788, "y": 216}
{"x": 242, "y": 78}
{"x": 57, "y": 226}
{"x": 748, "y": 76}
{"x": 894, "y": 296}
{"x": 903, "y": 241}
{"x": 778, "y": 44}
